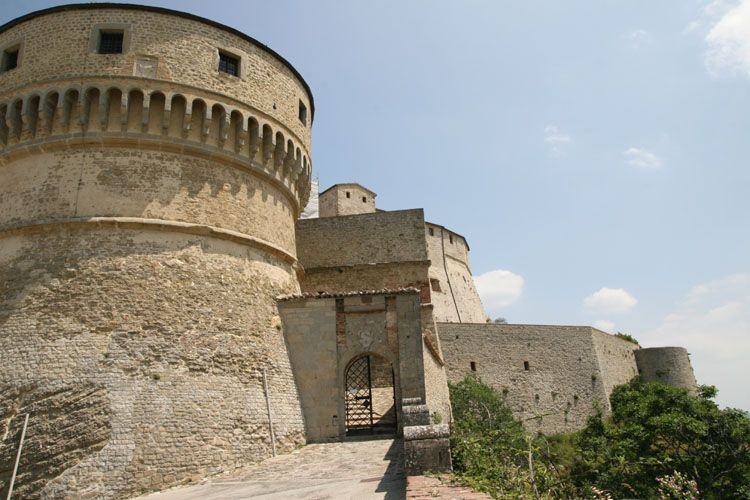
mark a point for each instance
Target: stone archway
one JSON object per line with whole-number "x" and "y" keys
{"x": 369, "y": 396}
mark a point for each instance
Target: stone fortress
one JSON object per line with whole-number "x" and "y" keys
{"x": 165, "y": 313}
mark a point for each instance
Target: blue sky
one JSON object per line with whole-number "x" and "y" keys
{"x": 594, "y": 154}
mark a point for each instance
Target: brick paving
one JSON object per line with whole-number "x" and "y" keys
{"x": 428, "y": 487}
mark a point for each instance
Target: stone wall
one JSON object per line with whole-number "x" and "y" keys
{"x": 616, "y": 360}
{"x": 454, "y": 293}
{"x": 376, "y": 238}
{"x": 552, "y": 376}
{"x": 365, "y": 277}
{"x": 166, "y": 333}
{"x": 326, "y": 334}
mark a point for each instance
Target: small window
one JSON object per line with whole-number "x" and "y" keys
{"x": 473, "y": 366}
{"x": 229, "y": 64}
{"x": 435, "y": 283}
{"x": 526, "y": 365}
{"x": 348, "y": 194}
{"x": 450, "y": 238}
{"x": 10, "y": 59}
{"x": 364, "y": 199}
{"x": 110, "y": 41}
{"x": 302, "y": 112}
{"x": 432, "y": 231}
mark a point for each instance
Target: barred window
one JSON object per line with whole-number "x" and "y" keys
{"x": 110, "y": 42}
{"x": 229, "y": 64}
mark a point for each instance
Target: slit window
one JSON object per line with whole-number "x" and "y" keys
{"x": 473, "y": 366}
{"x": 348, "y": 194}
{"x": 110, "y": 41}
{"x": 450, "y": 238}
{"x": 302, "y": 113}
{"x": 229, "y": 64}
{"x": 526, "y": 365}
{"x": 9, "y": 59}
{"x": 432, "y": 231}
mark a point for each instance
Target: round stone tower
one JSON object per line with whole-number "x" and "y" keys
{"x": 152, "y": 165}
{"x": 670, "y": 365}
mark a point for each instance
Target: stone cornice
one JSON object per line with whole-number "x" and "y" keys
{"x": 159, "y": 224}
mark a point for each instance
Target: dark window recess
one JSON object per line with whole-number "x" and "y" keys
{"x": 302, "y": 112}
{"x": 229, "y": 64}
{"x": 10, "y": 59}
{"x": 473, "y": 366}
{"x": 348, "y": 194}
{"x": 110, "y": 42}
{"x": 435, "y": 284}
{"x": 526, "y": 365}
{"x": 450, "y": 238}
{"x": 364, "y": 199}
{"x": 432, "y": 231}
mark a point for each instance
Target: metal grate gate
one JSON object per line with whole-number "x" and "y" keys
{"x": 359, "y": 395}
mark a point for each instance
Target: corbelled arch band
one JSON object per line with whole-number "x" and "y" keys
{"x": 196, "y": 122}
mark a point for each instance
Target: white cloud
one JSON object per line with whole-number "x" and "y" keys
{"x": 638, "y": 38}
{"x": 605, "y": 325}
{"x": 642, "y": 158}
{"x": 713, "y": 323}
{"x": 609, "y": 300}
{"x": 499, "y": 288}
{"x": 556, "y": 138}
{"x": 728, "y": 39}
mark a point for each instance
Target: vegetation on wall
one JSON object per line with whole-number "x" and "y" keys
{"x": 659, "y": 442}
{"x": 625, "y": 336}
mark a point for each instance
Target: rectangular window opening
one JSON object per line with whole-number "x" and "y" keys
{"x": 348, "y": 194}
{"x": 364, "y": 199}
{"x": 526, "y": 365}
{"x": 435, "y": 283}
{"x": 9, "y": 59}
{"x": 110, "y": 41}
{"x": 302, "y": 113}
{"x": 229, "y": 64}
{"x": 450, "y": 238}
{"x": 432, "y": 231}
{"x": 473, "y": 366}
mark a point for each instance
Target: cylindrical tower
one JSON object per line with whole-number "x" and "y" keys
{"x": 152, "y": 165}
{"x": 670, "y": 365}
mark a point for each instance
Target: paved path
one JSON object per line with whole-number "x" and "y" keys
{"x": 357, "y": 470}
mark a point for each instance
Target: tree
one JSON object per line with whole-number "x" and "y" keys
{"x": 658, "y": 431}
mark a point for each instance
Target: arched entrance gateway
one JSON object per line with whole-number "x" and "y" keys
{"x": 370, "y": 396}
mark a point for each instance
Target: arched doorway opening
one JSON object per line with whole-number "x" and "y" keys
{"x": 370, "y": 396}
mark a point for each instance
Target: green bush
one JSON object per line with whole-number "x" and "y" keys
{"x": 491, "y": 451}
{"x": 625, "y": 336}
{"x": 659, "y": 442}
